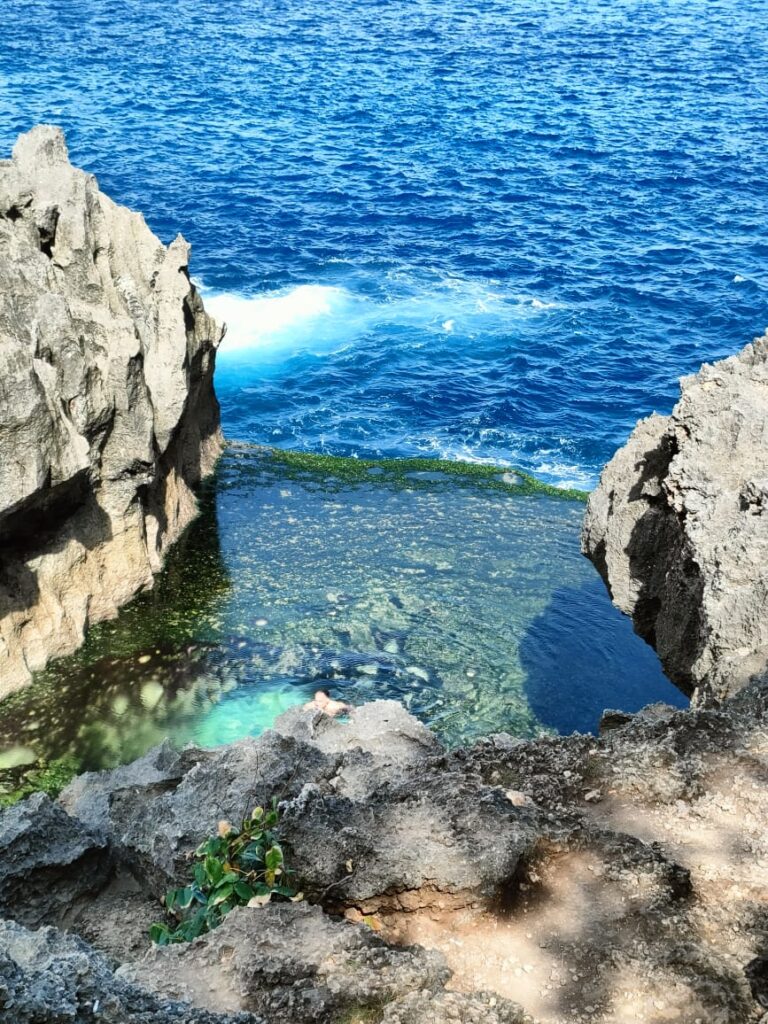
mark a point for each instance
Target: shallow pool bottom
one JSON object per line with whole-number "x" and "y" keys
{"x": 462, "y": 595}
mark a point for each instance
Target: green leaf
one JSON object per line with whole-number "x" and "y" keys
{"x": 222, "y": 893}
{"x": 160, "y": 934}
{"x": 214, "y": 869}
{"x": 244, "y": 891}
{"x": 196, "y": 925}
{"x": 284, "y": 890}
{"x": 273, "y": 858}
{"x": 185, "y": 897}
{"x": 252, "y": 855}
{"x": 200, "y": 875}
{"x": 171, "y": 898}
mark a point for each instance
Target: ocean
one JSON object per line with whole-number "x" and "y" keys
{"x": 496, "y": 232}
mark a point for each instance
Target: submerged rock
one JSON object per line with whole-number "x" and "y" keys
{"x": 678, "y": 527}
{"x": 108, "y": 416}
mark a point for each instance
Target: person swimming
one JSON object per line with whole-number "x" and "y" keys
{"x": 322, "y": 701}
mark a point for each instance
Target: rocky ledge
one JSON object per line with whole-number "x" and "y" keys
{"x": 108, "y": 416}
{"x": 573, "y": 879}
{"x": 678, "y": 527}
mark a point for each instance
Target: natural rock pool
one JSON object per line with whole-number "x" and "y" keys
{"x": 460, "y": 592}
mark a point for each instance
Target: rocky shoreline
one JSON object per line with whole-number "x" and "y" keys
{"x": 565, "y": 880}
{"x": 569, "y": 879}
{"x": 108, "y": 417}
{"x": 677, "y": 530}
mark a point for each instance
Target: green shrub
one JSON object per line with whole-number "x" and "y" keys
{"x": 237, "y": 867}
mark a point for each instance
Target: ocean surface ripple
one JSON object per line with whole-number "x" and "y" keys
{"x": 495, "y": 231}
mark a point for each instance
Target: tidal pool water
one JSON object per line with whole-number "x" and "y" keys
{"x": 460, "y": 593}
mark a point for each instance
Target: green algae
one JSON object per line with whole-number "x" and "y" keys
{"x": 414, "y": 472}
{"x": 41, "y": 776}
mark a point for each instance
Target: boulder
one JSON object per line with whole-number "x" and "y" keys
{"x": 678, "y": 527}
{"x": 108, "y": 417}
{"x": 370, "y": 809}
{"x": 382, "y": 728}
{"x": 48, "y": 860}
{"x": 406, "y": 838}
{"x": 157, "y": 810}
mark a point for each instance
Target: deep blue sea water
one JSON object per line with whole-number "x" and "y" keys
{"x": 495, "y": 231}
{"x": 499, "y": 230}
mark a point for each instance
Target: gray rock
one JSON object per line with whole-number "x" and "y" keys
{"x": 429, "y": 829}
{"x": 48, "y": 977}
{"x": 107, "y": 412}
{"x": 370, "y": 809}
{"x": 290, "y": 963}
{"x": 613, "y": 719}
{"x": 474, "y": 1008}
{"x": 382, "y": 728}
{"x": 157, "y": 810}
{"x": 90, "y": 796}
{"x": 47, "y": 861}
{"x": 678, "y": 527}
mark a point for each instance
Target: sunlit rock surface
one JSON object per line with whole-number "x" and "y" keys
{"x": 574, "y": 879}
{"x": 107, "y": 411}
{"x": 678, "y": 527}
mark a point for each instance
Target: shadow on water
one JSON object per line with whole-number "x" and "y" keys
{"x": 116, "y": 696}
{"x": 585, "y": 643}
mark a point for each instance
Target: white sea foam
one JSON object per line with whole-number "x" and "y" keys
{"x": 293, "y": 319}
{"x": 321, "y": 318}
{"x": 565, "y": 475}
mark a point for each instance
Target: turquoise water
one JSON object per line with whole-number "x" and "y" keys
{"x": 469, "y": 603}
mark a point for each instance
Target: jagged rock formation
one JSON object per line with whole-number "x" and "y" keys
{"x": 678, "y": 527}
{"x": 569, "y": 880}
{"x": 107, "y": 412}
{"x": 47, "y": 977}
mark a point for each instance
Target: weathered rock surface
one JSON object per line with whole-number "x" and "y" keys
{"x": 367, "y": 810}
{"x": 41, "y": 879}
{"x": 107, "y": 412}
{"x": 609, "y": 879}
{"x": 678, "y": 527}
{"x": 290, "y": 963}
{"x": 48, "y": 977}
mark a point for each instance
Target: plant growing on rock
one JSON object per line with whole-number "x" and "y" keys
{"x": 237, "y": 867}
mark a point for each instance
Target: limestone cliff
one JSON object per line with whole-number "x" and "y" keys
{"x": 678, "y": 527}
{"x": 108, "y": 416}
